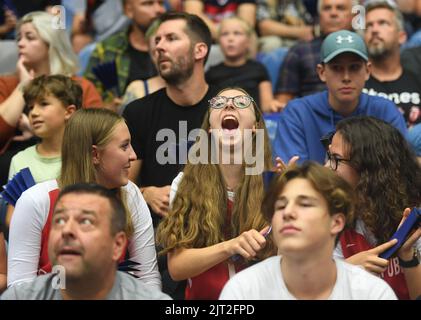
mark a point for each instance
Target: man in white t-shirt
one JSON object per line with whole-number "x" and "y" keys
{"x": 308, "y": 207}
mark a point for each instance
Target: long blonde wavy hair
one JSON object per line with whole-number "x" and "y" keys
{"x": 88, "y": 127}
{"x": 198, "y": 214}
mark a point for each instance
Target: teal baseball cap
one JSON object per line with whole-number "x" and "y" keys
{"x": 340, "y": 42}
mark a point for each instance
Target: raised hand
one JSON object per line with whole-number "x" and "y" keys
{"x": 280, "y": 166}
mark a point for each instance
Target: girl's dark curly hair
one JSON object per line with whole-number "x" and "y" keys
{"x": 390, "y": 176}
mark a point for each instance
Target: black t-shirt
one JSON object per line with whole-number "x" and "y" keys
{"x": 405, "y": 92}
{"x": 247, "y": 76}
{"x": 155, "y": 113}
{"x": 411, "y": 60}
{"x": 141, "y": 65}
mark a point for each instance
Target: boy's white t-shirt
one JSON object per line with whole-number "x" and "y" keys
{"x": 264, "y": 281}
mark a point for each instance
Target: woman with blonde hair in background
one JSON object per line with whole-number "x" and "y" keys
{"x": 44, "y": 49}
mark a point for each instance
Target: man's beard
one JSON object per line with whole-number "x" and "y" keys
{"x": 378, "y": 51}
{"x": 179, "y": 71}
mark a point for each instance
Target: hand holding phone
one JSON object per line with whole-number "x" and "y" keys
{"x": 410, "y": 223}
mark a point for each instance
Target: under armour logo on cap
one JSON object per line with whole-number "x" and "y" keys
{"x": 340, "y": 42}
{"x": 349, "y": 38}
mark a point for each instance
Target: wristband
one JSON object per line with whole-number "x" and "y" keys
{"x": 410, "y": 263}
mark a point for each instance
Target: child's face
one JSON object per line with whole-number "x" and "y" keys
{"x": 48, "y": 116}
{"x": 234, "y": 40}
{"x": 301, "y": 223}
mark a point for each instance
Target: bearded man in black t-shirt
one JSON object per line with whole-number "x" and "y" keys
{"x": 161, "y": 123}
{"x": 181, "y": 51}
{"x": 384, "y": 34}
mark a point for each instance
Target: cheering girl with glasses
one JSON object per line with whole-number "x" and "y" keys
{"x": 215, "y": 212}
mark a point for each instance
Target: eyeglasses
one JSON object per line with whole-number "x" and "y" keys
{"x": 240, "y": 102}
{"x": 334, "y": 160}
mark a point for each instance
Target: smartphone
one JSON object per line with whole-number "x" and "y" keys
{"x": 411, "y": 222}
